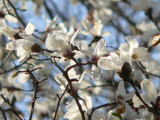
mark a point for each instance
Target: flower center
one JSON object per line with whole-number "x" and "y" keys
{"x": 134, "y": 56}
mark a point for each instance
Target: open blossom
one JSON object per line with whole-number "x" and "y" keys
{"x": 60, "y": 42}
{"x": 73, "y": 112}
{"x": 124, "y": 109}
{"x": 128, "y": 52}
{"x": 24, "y": 48}
{"x": 121, "y": 94}
{"x": 77, "y": 79}
{"x": 112, "y": 62}
{"x": 25, "y": 44}
{"x": 133, "y": 50}
{"x": 95, "y": 51}
{"x": 150, "y": 97}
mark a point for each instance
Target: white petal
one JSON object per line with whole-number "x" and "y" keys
{"x": 11, "y": 45}
{"x": 121, "y": 90}
{"x": 105, "y": 63}
{"x": 61, "y": 80}
{"x": 142, "y": 53}
{"x": 48, "y": 42}
{"x": 150, "y": 89}
{"x": 130, "y": 113}
{"x": 101, "y": 47}
{"x": 74, "y": 36}
{"x": 132, "y": 41}
{"x": 11, "y": 19}
{"x": 106, "y": 34}
{"x": 97, "y": 29}
{"x": 136, "y": 101}
{"x": 22, "y": 58}
{"x": 29, "y": 28}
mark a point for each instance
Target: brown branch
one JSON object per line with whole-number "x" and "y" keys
{"x": 14, "y": 68}
{"x": 3, "y": 113}
{"x": 79, "y": 64}
{"x": 98, "y": 107}
{"x": 14, "y": 111}
{"x": 73, "y": 93}
{"x": 35, "y": 83}
{"x": 13, "y": 88}
{"x": 16, "y": 13}
{"x": 59, "y": 100}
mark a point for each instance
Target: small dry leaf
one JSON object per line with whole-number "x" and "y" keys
{"x": 156, "y": 40}
{"x": 15, "y": 74}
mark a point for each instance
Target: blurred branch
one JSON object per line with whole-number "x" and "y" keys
{"x": 98, "y": 107}
{"x": 14, "y": 68}
{"x": 6, "y": 58}
{"x": 14, "y": 111}
{"x": 48, "y": 10}
{"x": 13, "y": 88}
{"x": 16, "y": 13}
{"x": 3, "y": 113}
{"x": 117, "y": 10}
{"x": 59, "y": 100}
{"x": 35, "y": 83}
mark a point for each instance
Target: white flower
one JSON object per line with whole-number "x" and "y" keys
{"x": 73, "y": 112}
{"x": 121, "y": 93}
{"x": 113, "y": 62}
{"x": 123, "y": 111}
{"x": 29, "y": 28}
{"x": 60, "y": 42}
{"x": 133, "y": 50}
{"x": 73, "y": 76}
{"x": 24, "y": 48}
{"x": 95, "y": 51}
{"x": 150, "y": 95}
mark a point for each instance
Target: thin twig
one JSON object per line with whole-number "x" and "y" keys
{"x": 13, "y": 108}
{"x": 59, "y": 100}
{"x": 35, "y": 89}
{"x": 3, "y": 113}
{"x": 98, "y": 107}
{"x": 15, "y": 10}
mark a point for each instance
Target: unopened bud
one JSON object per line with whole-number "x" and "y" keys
{"x": 126, "y": 70}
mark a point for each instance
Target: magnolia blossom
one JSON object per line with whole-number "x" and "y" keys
{"x": 124, "y": 109}
{"x": 95, "y": 51}
{"x": 77, "y": 79}
{"x": 150, "y": 97}
{"x": 60, "y": 42}
{"x": 25, "y": 45}
{"x": 73, "y": 112}
{"x": 112, "y": 62}
{"x": 128, "y": 52}
{"x": 23, "y": 48}
{"x": 121, "y": 93}
{"x": 132, "y": 49}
